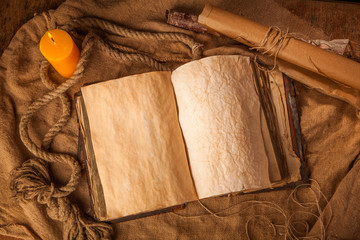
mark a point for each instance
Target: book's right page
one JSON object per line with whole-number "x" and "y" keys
{"x": 219, "y": 114}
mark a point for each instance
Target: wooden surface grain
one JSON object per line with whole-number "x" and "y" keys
{"x": 337, "y": 19}
{"x": 14, "y": 13}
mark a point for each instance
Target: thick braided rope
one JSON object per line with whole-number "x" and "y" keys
{"x": 130, "y": 57}
{"x": 32, "y": 180}
{"x": 113, "y": 28}
{"x": 54, "y": 130}
{"x": 35, "y": 106}
{"x": 122, "y": 48}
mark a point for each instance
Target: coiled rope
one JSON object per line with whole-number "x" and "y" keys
{"x": 32, "y": 180}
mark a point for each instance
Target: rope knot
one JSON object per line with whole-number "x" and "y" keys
{"x": 45, "y": 196}
{"x": 275, "y": 37}
{"x": 76, "y": 225}
{"x": 32, "y": 180}
{"x": 59, "y": 209}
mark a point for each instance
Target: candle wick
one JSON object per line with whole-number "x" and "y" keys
{"x": 51, "y": 37}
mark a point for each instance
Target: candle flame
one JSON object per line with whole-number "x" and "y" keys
{"x": 51, "y": 37}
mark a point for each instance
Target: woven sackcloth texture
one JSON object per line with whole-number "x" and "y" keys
{"x": 330, "y": 127}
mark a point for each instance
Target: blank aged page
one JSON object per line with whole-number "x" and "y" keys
{"x": 138, "y": 144}
{"x": 219, "y": 113}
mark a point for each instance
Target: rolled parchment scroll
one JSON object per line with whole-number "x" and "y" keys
{"x": 284, "y": 46}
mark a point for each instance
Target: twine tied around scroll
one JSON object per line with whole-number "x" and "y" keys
{"x": 279, "y": 39}
{"x": 32, "y": 180}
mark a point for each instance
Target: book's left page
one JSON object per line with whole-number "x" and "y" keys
{"x": 138, "y": 145}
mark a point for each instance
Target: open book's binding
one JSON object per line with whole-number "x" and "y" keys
{"x": 95, "y": 189}
{"x": 263, "y": 89}
{"x": 294, "y": 121}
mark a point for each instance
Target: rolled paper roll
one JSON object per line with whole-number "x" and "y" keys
{"x": 285, "y": 47}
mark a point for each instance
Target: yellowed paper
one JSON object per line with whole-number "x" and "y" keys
{"x": 219, "y": 113}
{"x": 138, "y": 145}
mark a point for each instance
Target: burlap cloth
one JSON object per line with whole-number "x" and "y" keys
{"x": 331, "y": 130}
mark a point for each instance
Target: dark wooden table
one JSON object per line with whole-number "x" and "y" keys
{"x": 338, "y": 19}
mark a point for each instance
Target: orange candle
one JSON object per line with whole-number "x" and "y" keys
{"x": 60, "y": 50}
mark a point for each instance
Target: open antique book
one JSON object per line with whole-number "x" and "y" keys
{"x": 211, "y": 127}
